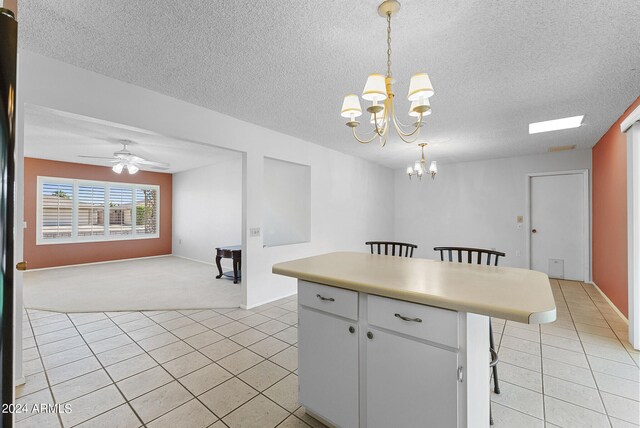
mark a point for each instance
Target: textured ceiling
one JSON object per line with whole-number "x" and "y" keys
{"x": 286, "y": 64}
{"x": 54, "y": 135}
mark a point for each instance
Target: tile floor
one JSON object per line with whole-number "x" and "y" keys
{"x": 237, "y": 368}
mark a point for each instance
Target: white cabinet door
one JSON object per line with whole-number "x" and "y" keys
{"x": 328, "y": 366}
{"x": 409, "y": 383}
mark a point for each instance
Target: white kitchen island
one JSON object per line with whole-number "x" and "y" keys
{"x": 398, "y": 342}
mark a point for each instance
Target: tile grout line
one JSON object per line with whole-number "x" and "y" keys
{"x": 46, "y": 375}
{"x": 544, "y": 401}
{"x": 288, "y": 345}
{"x": 585, "y": 353}
{"x": 197, "y": 350}
{"x": 608, "y": 324}
{"x": 111, "y": 378}
{"x": 260, "y": 393}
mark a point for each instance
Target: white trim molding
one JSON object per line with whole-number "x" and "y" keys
{"x": 586, "y": 232}
{"x": 628, "y": 121}
{"x": 614, "y": 307}
{"x": 633, "y": 229}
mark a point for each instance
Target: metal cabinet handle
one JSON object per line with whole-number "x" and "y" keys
{"x": 370, "y": 335}
{"x": 328, "y": 299}
{"x": 408, "y": 319}
{"x": 352, "y": 329}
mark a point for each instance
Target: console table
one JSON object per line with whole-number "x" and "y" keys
{"x": 233, "y": 252}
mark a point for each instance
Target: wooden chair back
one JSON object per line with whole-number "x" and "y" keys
{"x": 400, "y": 249}
{"x": 465, "y": 254}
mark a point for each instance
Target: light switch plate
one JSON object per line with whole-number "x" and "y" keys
{"x": 254, "y": 232}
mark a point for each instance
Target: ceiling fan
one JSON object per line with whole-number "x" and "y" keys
{"x": 124, "y": 159}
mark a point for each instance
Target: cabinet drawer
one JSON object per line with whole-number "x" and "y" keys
{"x": 429, "y": 323}
{"x": 333, "y": 300}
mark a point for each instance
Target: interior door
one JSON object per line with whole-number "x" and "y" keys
{"x": 8, "y": 56}
{"x": 558, "y": 219}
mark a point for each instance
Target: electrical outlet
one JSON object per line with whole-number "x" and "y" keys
{"x": 254, "y": 232}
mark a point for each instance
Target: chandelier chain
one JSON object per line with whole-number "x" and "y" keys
{"x": 388, "y": 44}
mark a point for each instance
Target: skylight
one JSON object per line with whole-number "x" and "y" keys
{"x": 556, "y": 124}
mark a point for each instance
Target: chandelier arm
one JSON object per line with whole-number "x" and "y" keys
{"x": 399, "y": 125}
{"x": 403, "y": 124}
{"x": 410, "y": 141}
{"x": 364, "y": 141}
{"x": 401, "y": 131}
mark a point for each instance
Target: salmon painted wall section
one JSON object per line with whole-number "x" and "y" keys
{"x": 50, "y": 255}
{"x": 609, "y": 160}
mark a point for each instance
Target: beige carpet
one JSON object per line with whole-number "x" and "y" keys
{"x": 146, "y": 284}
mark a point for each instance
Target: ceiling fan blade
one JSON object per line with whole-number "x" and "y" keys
{"x": 96, "y": 157}
{"x": 151, "y": 163}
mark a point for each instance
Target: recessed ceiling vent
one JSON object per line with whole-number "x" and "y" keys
{"x": 561, "y": 148}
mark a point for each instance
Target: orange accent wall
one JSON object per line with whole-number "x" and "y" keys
{"x": 609, "y": 235}
{"x": 40, "y": 256}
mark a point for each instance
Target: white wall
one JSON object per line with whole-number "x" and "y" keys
{"x": 350, "y": 197}
{"x": 474, "y": 204}
{"x": 207, "y": 209}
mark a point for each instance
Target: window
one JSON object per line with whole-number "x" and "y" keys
{"x": 120, "y": 211}
{"x": 83, "y": 211}
{"x": 57, "y": 210}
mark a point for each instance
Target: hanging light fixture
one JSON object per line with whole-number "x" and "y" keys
{"x": 378, "y": 91}
{"x": 129, "y": 166}
{"x": 420, "y": 167}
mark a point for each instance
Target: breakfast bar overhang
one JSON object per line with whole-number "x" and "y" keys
{"x": 390, "y": 341}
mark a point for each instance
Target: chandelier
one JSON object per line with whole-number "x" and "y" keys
{"x": 378, "y": 91}
{"x": 420, "y": 167}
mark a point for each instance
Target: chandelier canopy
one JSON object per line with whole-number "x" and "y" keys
{"x": 379, "y": 92}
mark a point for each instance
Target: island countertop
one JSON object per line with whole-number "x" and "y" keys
{"x": 520, "y": 295}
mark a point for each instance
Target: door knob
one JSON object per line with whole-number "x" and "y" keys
{"x": 21, "y": 265}
{"x": 534, "y": 231}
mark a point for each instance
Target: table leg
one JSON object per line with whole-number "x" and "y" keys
{"x": 236, "y": 269}
{"x": 218, "y": 258}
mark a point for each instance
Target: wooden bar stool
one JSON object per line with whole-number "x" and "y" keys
{"x": 400, "y": 249}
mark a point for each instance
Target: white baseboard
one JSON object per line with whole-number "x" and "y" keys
{"x": 617, "y": 311}
{"x": 267, "y": 301}
{"x": 100, "y": 263}
{"x": 193, "y": 260}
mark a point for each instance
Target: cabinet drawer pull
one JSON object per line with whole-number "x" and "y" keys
{"x": 327, "y": 299}
{"x": 408, "y": 319}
